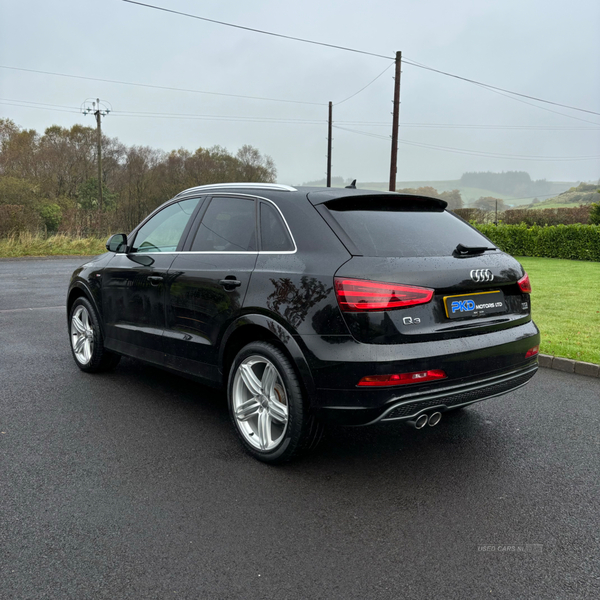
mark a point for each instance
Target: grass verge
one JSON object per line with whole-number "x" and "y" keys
{"x": 566, "y": 306}
{"x": 27, "y": 244}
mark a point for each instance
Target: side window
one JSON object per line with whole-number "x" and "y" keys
{"x": 163, "y": 231}
{"x": 229, "y": 225}
{"x": 273, "y": 232}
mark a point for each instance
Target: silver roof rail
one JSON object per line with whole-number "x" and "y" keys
{"x": 255, "y": 186}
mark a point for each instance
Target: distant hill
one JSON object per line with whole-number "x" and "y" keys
{"x": 584, "y": 193}
{"x": 518, "y": 187}
{"x": 471, "y": 194}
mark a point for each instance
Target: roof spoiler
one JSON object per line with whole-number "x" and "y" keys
{"x": 353, "y": 199}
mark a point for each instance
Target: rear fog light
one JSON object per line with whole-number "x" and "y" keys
{"x": 532, "y": 352}
{"x": 402, "y": 378}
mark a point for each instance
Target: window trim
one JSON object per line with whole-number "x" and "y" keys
{"x": 285, "y": 227}
{"x": 184, "y": 235}
{"x": 200, "y": 215}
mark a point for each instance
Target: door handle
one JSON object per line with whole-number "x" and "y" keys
{"x": 154, "y": 279}
{"x": 230, "y": 283}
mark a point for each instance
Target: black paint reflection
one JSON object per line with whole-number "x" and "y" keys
{"x": 293, "y": 302}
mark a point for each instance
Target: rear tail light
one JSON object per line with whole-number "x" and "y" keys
{"x": 532, "y": 352}
{"x": 525, "y": 284}
{"x": 402, "y": 378}
{"x": 359, "y": 295}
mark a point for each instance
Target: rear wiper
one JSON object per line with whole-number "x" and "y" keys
{"x": 462, "y": 250}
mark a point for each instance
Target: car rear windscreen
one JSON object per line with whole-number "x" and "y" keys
{"x": 383, "y": 229}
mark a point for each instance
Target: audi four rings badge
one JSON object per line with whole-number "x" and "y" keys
{"x": 481, "y": 275}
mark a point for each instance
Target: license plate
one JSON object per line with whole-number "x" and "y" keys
{"x": 479, "y": 304}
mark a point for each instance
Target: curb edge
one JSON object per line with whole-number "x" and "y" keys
{"x": 568, "y": 365}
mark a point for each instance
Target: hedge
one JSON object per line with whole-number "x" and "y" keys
{"x": 573, "y": 242}
{"x": 530, "y": 216}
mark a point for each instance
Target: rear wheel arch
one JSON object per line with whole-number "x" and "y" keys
{"x": 254, "y": 328}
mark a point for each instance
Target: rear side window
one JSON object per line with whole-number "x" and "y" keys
{"x": 229, "y": 225}
{"x": 273, "y": 232}
{"x": 390, "y": 231}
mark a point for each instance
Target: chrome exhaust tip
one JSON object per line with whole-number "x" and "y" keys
{"x": 419, "y": 422}
{"x": 434, "y": 419}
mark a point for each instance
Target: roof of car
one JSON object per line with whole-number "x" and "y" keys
{"x": 316, "y": 195}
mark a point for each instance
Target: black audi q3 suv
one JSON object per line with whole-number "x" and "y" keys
{"x": 310, "y": 304}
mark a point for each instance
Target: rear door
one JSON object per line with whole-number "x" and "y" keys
{"x": 462, "y": 283}
{"x": 208, "y": 283}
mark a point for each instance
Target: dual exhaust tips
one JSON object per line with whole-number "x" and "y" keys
{"x": 422, "y": 420}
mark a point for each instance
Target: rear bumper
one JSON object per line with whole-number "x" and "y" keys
{"x": 478, "y": 367}
{"x": 456, "y": 396}
{"x": 410, "y": 406}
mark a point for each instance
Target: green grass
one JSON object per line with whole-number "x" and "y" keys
{"x": 565, "y": 305}
{"x": 26, "y": 244}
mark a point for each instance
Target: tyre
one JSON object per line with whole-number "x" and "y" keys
{"x": 87, "y": 341}
{"x": 267, "y": 405}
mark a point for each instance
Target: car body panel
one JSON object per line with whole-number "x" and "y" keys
{"x": 188, "y": 321}
{"x": 200, "y": 308}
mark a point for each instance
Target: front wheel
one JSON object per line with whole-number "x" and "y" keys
{"x": 87, "y": 342}
{"x": 267, "y": 405}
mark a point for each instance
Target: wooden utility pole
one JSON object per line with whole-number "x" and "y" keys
{"x": 98, "y": 115}
{"x": 330, "y": 125}
{"x": 395, "y": 124}
{"x": 99, "y": 112}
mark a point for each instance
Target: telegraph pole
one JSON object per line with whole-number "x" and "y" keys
{"x": 329, "y": 127}
{"x": 98, "y": 111}
{"x": 99, "y": 142}
{"x": 395, "y": 124}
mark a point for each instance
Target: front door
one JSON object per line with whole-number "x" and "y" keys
{"x": 134, "y": 284}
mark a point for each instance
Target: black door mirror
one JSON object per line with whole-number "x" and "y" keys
{"x": 117, "y": 243}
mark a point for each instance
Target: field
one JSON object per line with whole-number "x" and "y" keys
{"x": 468, "y": 194}
{"x": 27, "y": 244}
{"x": 566, "y": 306}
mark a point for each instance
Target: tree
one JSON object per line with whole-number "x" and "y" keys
{"x": 595, "y": 213}
{"x": 489, "y": 203}
{"x": 51, "y": 180}
{"x": 87, "y": 196}
{"x": 51, "y": 215}
{"x": 16, "y": 191}
{"x": 252, "y": 166}
{"x": 453, "y": 198}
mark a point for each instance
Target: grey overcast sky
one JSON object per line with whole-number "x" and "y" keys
{"x": 544, "y": 48}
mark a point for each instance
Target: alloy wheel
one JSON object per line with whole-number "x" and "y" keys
{"x": 260, "y": 403}
{"x": 82, "y": 335}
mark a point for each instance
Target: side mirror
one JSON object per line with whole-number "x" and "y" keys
{"x": 117, "y": 243}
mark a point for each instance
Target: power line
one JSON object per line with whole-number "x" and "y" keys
{"x": 493, "y": 87}
{"x": 279, "y": 35}
{"x": 366, "y": 86}
{"x": 154, "y": 115}
{"x": 409, "y": 62}
{"x": 474, "y": 152}
{"x": 472, "y": 126}
{"x": 219, "y": 118}
{"x": 162, "y": 87}
{"x": 258, "y": 119}
{"x": 556, "y": 112}
{"x": 33, "y": 105}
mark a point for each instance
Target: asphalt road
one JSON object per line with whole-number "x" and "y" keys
{"x": 132, "y": 485}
